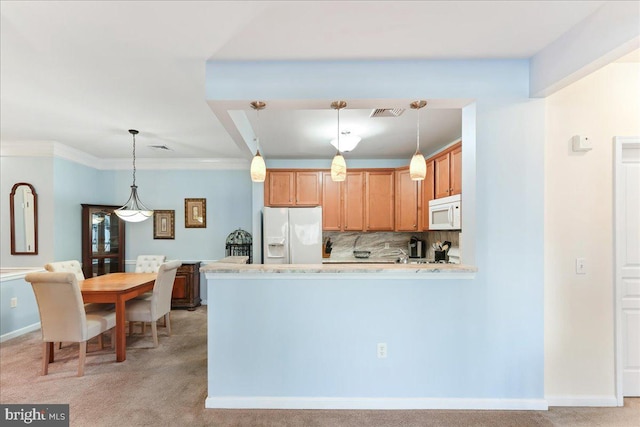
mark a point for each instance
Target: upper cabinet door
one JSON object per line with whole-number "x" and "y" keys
{"x": 353, "y": 202}
{"x": 455, "y": 186}
{"x": 428, "y": 193}
{"x": 379, "y": 201}
{"x": 406, "y": 196}
{"x": 280, "y": 188}
{"x": 442, "y": 187}
{"x": 308, "y": 189}
{"x": 331, "y": 203}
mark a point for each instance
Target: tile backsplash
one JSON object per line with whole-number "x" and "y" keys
{"x": 344, "y": 243}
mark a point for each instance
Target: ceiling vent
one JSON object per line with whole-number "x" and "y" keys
{"x": 160, "y": 147}
{"x": 386, "y": 112}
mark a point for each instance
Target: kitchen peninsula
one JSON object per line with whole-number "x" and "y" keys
{"x": 276, "y": 331}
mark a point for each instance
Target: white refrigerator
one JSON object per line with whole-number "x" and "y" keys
{"x": 292, "y": 235}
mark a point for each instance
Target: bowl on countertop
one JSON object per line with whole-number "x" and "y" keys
{"x": 362, "y": 254}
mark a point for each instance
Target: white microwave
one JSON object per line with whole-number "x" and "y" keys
{"x": 444, "y": 213}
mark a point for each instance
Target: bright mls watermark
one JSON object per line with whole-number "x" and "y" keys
{"x": 54, "y": 415}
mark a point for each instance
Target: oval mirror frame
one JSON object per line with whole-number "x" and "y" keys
{"x": 28, "y": 223}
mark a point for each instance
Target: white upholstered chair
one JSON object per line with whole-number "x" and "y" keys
{"x": 71, "y": 266}
{"x": 149, "y": 263}
{"x": 62, "y": 315}
{"x": 159, "y": 305}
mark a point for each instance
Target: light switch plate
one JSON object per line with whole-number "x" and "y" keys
{"x": 581, "y": 266}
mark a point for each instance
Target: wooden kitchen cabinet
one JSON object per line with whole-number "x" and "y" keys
{"x": 379, "y": 200}
{"x": 448, "y": 172}
{"x": 428, "y": 193}
{"x": 353, "y": 201}
{"x": 456, "y": 170}
{"x": 186, "y": 286}
{"x": 308, "y": 190}
{"x": 331, "y": 203}
{"x": 406, "y": 199}
{"x": 293, "y": 188}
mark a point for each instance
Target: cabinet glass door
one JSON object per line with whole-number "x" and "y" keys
{"x": 102, "y": 240}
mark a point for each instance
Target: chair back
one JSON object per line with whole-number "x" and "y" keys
{"x": 162, "y": 289}
{"x": 62, "y": 315}
{"x": 71, "y": 266}
{"x": 149, "y": 263}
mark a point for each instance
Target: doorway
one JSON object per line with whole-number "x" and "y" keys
{"x": 626, "y": 195}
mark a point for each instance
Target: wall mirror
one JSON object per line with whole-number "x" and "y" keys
{"x": 24, "y": 219}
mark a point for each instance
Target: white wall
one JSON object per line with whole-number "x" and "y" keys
{"x": 579, "y": 332}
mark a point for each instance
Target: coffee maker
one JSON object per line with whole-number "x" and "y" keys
{"x": 417, "y": 248}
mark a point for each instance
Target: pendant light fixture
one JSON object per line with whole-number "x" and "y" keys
{"x": 258, "y": 167}
{"x": 338, "y": 165}
{"x": 418, "y": 166}
{"x": 134, "y": 210}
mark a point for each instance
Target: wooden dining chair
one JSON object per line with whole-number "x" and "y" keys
{"x": 63, "y": 317}
{"x": 159, "y": 305}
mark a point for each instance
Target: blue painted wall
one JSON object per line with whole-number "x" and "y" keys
{"x": 74, "y": 184}
{"x": 62, "y": 187}
{"x": 481, "y": 338}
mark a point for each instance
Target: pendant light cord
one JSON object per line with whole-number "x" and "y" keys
{"x": 418, "y": 133}
{"x": 258, "y": 132}
{"x": 134, "y": 160}
{"x": 338, "y": 129}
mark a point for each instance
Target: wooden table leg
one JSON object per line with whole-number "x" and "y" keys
{"x": 121, "y": 339}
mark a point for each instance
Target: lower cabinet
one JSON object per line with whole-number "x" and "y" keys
{"x": 186, "y": 287}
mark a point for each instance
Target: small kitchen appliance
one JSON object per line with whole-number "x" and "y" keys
{"x": 417, "y": 248}
{"x": 444, "y": 213}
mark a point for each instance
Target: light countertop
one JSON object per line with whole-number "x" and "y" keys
{"x": 360, "y": 267}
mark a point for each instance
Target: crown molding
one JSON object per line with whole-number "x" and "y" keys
{"x": 56, "y": 149}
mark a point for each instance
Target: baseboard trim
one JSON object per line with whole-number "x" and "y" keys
{"x": 372, "y": 403}
{"x": 598, "y": 400}
{"x": 18, "y": 332}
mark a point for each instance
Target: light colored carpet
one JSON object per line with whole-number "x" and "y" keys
{"x": 167, "y": 386}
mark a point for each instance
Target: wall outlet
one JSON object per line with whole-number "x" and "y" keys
{"x": 386, "y": 246}
{"x": 14, "y": 302}
{"x": 581, "y": 266}
{"x": 382, "y": 350}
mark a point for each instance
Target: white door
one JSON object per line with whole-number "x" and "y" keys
{"x": 627, "y": 234}
{"x": 275, "y": 229}
{"x": 305, "y": 235}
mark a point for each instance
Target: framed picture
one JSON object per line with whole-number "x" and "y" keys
{"x": 195, "y": 213}
{"x": 164, "y": 224}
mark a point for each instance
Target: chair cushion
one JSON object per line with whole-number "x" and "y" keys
{"x": 139, "y": 310}
{"x": 100, "y": 321}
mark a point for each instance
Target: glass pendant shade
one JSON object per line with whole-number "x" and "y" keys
{"x": 134, "y": 210}
{"x": 347, "y": 142}
{"x": 418, "y": 167}
{"x": 338, "y": 164}
{"x": 338, "y": 168}
{"x": 258, "y": 168}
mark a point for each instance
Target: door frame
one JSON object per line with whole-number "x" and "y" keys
{"x": 618, "y": 143}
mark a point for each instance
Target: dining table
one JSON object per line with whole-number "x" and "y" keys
{"x": 117, "y": 288}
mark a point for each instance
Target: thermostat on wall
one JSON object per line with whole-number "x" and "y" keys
{"x": 581, "y": 143}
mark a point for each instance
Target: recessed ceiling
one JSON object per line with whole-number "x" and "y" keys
{"x": 83, "y": 73}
